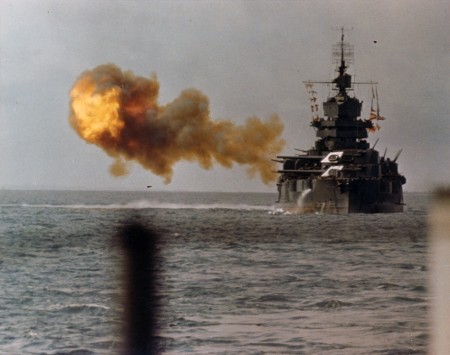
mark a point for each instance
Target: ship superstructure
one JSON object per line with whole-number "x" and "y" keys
{"x": 341, "y": 173}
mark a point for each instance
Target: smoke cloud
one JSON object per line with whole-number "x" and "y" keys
{"x": 119, "y": 112}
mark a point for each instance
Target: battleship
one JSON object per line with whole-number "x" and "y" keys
{"x": 342, "y": 173}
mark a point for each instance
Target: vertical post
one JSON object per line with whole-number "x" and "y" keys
{"x": 140, "y": 246}
{"x": 439, "y": 238}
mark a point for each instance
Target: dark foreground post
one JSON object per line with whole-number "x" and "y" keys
{"x": 140, "y": 248}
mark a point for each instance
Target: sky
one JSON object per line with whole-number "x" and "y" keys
{"x": 249, "y": 57}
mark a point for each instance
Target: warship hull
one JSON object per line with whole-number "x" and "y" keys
{"x": 329, "y": 196}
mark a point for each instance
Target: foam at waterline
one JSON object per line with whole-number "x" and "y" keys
{"x": 147, "y": 204}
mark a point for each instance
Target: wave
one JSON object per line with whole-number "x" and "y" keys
{"x": 77, "y": 307}
{"x": 148, "y": 204}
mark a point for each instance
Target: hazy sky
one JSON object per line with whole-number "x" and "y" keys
{"x": 248, "y": 57}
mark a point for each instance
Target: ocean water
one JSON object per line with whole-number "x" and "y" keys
{"x": 235, "y": 277}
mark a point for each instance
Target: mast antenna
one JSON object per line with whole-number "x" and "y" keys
{"x": 343, "y": 52}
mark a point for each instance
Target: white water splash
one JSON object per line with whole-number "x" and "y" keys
{"x": 303, "y": 197}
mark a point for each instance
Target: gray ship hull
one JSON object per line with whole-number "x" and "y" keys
{"x": 333, "y": 197}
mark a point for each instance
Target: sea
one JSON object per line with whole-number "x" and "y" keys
{"x": 235, "y": 275}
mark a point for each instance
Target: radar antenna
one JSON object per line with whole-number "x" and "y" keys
{"x": 343, "y": 53}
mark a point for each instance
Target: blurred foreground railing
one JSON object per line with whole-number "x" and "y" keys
{"x": 439, "y": 261}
